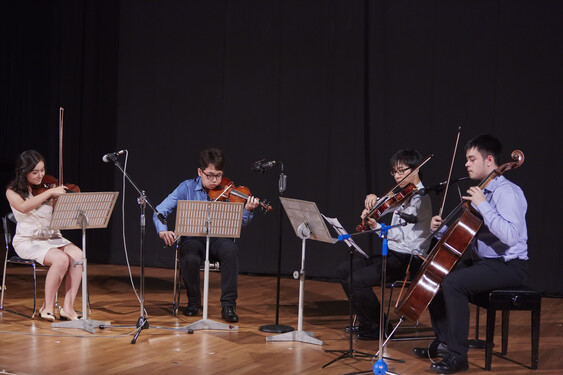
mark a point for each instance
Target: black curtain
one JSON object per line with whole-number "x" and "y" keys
{"x": 330, "y": 88}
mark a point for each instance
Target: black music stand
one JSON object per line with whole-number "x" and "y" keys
{"x": 307, "y": 224}
{"x": 380, "y": 367}
{"x": 352, "y": 248}
{"x": 83, "y": 211}
{"x": 208, "y": 219}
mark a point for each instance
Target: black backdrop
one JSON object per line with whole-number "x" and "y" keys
{"x": 330, "y": 88}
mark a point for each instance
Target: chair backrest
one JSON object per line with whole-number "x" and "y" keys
{"x": 9, "y": 224}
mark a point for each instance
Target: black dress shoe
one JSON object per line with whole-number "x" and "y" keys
{"x": 355, "y": 329}
{"x": 368, "y": 335}
{"x": 191, "y": 310}
{"x": 449, "y": 365}
{"x": 229, "y": 314}
{"x": 435, "y": 349}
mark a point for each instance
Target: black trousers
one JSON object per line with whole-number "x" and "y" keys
{"x": 367, "y": 273}
{"x": 449, "y": 310}
{"x": 222, "y": 250}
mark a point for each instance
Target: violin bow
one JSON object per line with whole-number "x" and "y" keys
{"x": 61, "y": 117}
{"x": 450, "y": 173}
{"x": 388, "y": 195}
{"x": 225, "y": 190}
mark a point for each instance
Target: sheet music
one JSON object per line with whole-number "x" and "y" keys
{"x": 225, "y": 218}
{"x": 96, "y": 206}
{"x": 340, "y": 230}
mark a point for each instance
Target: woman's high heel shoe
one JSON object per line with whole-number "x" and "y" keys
{"x": 65, "y": 316}
{"x": 46, "y": 315}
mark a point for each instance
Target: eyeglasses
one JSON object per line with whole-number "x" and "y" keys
{"x": 399, "y": 171}
{"x": 211, "y": 176}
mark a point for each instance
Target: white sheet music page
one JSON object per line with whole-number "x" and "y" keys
{"x": 340, "y": 230}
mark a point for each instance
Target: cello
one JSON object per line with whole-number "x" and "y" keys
{"x": 448, "y": 250}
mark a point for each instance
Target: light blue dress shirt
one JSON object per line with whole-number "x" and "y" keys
{"x": 504, "y": 233}
{"x": 190, "y": 190}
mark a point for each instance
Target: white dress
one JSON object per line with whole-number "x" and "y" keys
{"x": 33, "y": 237}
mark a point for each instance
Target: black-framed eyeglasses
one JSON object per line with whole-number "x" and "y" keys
{"x": 399, "y": 171}
{"x": 212, "y": 176}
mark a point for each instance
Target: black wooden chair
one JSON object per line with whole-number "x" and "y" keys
{"x": 11, "y": 258}
{"x": 506, "y": 300}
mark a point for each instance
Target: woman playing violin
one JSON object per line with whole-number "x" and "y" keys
{"x": 497, "y": 257}
{"x": 223, "y": 250}
{"x": 402, "y": 242}
{"x": 34, "y": 240}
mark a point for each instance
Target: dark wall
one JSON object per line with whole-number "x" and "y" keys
{"x": 331, "y": 89}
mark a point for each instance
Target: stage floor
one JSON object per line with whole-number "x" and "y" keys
{"x": 32, "y": 346}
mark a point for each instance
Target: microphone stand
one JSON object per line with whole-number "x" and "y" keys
{"x": 276, "y": 327}
{"x": 142, "y": 322}
{"x": 380, "y": 367}
{"x": 351, "y": 352}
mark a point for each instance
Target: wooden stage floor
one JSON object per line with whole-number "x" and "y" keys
{"x": 33, "y": 347}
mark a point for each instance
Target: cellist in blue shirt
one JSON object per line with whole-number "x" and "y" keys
{"x": 497, "y": 257}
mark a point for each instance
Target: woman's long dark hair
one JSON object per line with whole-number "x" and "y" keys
{"x": 25, "y": 164}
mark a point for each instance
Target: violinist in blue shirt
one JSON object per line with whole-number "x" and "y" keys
{"x": 223, "y": 250}
{"x": 497, "y": 257}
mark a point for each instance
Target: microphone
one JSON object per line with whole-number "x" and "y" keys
{"x": 261, "y": 166}
{"x": 438, "y": 188}
{"x": 112, "y": 155}
{"x": 412, "y": 219}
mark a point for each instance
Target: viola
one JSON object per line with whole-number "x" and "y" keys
{"x": 444, "y": 256}
{"x": 227, "y": 190}
{"x": 387, "y": 204}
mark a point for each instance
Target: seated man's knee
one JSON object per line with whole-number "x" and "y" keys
{"x": 191, "y": 258}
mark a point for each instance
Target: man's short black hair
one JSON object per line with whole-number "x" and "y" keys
{"x": 211, "y": 156}
{"x": 411, "y": 158}
{"x": 487, "y": 145}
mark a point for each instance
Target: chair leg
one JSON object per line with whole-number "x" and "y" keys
{"x": 176, "y": 296}
{"x": 34, "y": 291}
{"x": 535, "y": 337}
{"x": 387, "y": 317}
{"x": 490, "y": 336}
{"x": 476, "y": 323}
{"x": 3, "y": 285}
{"x": 505, "y": 317}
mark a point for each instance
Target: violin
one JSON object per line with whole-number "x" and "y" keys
{"x": 387, "y": 204}
{"x": 392, "y": 199}
{"x": 51, "y": 182}
{"x": 227, "y": 190}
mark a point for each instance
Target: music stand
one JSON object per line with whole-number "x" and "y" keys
{"x": 208, "y": 219}
{"x": 83, "y": 211}
{"x": 307, "y": 223}
{"x": 352, "y": 248}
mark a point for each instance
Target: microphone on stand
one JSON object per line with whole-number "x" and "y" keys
{"x": 261, "y": 166}
{"x": 438, "y": 188}
{"x": 112, "y": 155}
{"x": 411, "y": 219}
